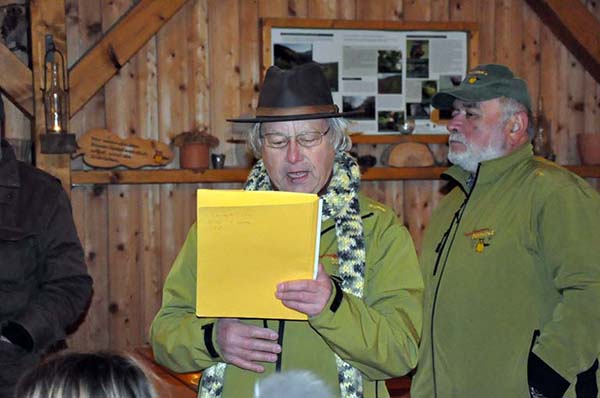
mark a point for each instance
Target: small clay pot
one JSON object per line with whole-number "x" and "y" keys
{"x": 194, "y": 155}
{"x": 589, "y": 149}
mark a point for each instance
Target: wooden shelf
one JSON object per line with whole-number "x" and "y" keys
{"x": 164, "y": 176}
{"x": 398, "y": 138}
{"x": 238, "y": 175}
{"x": 383, "y": 139}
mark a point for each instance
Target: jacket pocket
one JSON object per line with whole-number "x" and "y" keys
{"x": 17, "y": 256}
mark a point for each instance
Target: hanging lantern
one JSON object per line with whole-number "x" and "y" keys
{"x": 55, "y": 92}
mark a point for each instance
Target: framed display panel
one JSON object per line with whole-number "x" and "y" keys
{"x": 389, "y": 70}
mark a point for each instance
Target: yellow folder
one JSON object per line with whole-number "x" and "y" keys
{"x": 248, "y": 242}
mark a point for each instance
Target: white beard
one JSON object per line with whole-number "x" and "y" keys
{"x": 470, "y": 158}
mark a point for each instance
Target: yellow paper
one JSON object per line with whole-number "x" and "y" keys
{"x": 248, "y": 242}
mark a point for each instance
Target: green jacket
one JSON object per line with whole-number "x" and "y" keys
{"x": 378, "y": 335}
{"x": 514, "y": 270}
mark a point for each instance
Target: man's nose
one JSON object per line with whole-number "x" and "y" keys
{"x": 454, "y": 123}
{"x": 293, "y": 153}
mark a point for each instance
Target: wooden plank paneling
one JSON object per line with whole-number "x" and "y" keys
{"x": 322, "y": 9}
{"x": 90, "y": 203}
{"x": 592, "y": 90}
{"x": 117, "y": 47}
{"x": 508, "y": 17}
{"x": 272, "y": 8}
{"x": 183, "y": 87}
{"x": 487, "y": 29}
{"x": 440, "y": 10}
{"x": 592, "y": 94}
{"x": 249, "y": 57}
{"x": 90, "y": 211}
{"x": 225, "y": 69}
{"x": 417, "y": 10}
{"x": 16, "y": 80}
{"x": 575, "y": 104}
{"x": 123, "y": 212}
{"x": 463, "y": 10}
{"x": 346, "y": 9}
{"x": 18, "y": 125}
{"x": 530, "y": 52}
{"x": 576, "y": 27}
{"x": 548, "y": 77}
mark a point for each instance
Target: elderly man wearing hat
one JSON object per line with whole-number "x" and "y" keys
{"x": 364, "y": 306}
{"x": 510, "y": 259}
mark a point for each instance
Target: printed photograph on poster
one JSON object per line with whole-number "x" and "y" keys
{"x": 389, "y": 121}
{"x": 389, "y": 72}
{"x": 331, "y": 72}
{"x": 417, "y": 110}
{"x": 365, "y": 104}
{"x": 428, "y": 90}
{"x": 449, "y": 81}
{"x": 446, "y": 82}
{"x": 288, "y": 55}
{"x": 389, "y": 83}
{"x": 389, "y": 61}
{"x": 417, "y": 62}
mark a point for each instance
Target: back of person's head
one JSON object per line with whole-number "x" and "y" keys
{"x": 86, "y": 375}
{"x": 292, "y": 384}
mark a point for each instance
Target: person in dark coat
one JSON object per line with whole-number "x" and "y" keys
{"x": 44, "y": 283}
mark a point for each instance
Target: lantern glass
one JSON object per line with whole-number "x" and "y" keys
{"x": 55, "y": 103}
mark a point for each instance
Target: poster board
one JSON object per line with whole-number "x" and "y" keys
{"x": 388, "y": 69}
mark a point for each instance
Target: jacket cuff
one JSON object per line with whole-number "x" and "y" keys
{"x": 208, "y": 340}
{"x": 545, "y": 379}
{"x": 18, "y": 335}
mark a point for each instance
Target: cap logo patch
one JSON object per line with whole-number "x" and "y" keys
{"x": 473, "y": 78}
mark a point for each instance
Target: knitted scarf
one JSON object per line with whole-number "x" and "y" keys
{"x": 340, "y": 202}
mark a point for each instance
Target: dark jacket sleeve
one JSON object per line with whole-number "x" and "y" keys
{"x": 64, "y": 285}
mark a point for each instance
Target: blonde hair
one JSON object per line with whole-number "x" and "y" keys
{"x": 292, "y": 384}
{"x": 86, "y": 375}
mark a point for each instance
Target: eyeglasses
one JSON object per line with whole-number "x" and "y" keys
{"x": 307, "y": 139}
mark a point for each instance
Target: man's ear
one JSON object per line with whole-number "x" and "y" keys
{"x": 518, "y": 129}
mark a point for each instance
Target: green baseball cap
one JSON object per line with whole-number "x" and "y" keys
{"x": 485, "y": 82}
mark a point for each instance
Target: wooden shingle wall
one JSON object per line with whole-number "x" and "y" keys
{"x": 203, "y": 67}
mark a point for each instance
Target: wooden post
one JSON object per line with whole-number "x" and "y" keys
{"x": 47, "y": 17}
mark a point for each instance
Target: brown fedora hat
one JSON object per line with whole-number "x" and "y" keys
{"x": 298, "y": 93}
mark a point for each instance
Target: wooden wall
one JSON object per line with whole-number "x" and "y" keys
{"x": 202, "y": 67}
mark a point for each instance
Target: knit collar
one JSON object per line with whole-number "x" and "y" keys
{"x": 490, "y": 171}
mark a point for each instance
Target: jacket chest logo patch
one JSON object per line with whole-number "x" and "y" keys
{"x": 481, "y": 238}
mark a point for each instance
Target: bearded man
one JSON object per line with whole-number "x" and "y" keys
{"x": 510, "y": 258}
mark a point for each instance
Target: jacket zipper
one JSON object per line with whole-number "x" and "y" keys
{"x": 439, "y": 250}
{"x": 280, "y": 331}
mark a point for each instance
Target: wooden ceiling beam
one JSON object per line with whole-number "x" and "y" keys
{"x": 16, "y": 81}
{"x": 105, "y": 59}
{"x": 576, "y": 27}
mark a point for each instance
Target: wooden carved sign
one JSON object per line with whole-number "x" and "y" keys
{"x": 101, "y": 148}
